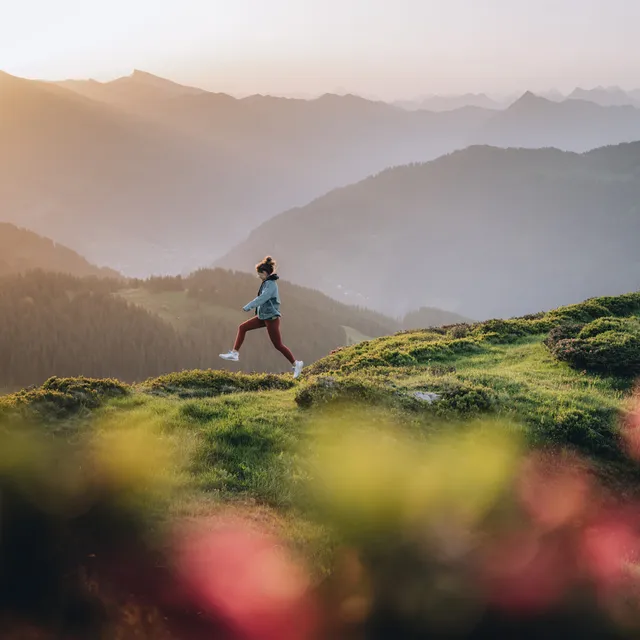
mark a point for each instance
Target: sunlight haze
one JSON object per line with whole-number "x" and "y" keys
{"x": 376, "y": 48}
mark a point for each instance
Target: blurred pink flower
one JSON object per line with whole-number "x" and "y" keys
{"x": 246, "y": 579}
{"x": 524, "y": 573}
{"x": 608, "y": 544}
{"x": 553, "y": 489}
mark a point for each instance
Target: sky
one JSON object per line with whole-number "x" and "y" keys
{"x": 390, "y": 49}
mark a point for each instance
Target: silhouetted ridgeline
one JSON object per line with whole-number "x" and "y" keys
{"x": 22, "y": 250}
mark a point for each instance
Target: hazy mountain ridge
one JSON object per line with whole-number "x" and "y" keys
{"x": 174, "y": 177}
{"x": 572, "y": 125}
{"x": 452, "y": 102}
{"x": 22, "y": 250}
{"x": 195, "y": 173}
{"x": 603, "y": 96}
{"x": 120, "y": 189}
{"x": 484, "y": 232}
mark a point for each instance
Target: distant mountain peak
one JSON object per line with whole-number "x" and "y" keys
{"x": 150, "y": 81}
{"x": 137, "y": 74}
{"x": 529, "y": 100}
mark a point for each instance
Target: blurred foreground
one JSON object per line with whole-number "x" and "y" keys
{"x": 465, "y": 535}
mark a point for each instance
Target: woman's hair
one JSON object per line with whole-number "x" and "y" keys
{"x": 268, "y": 265}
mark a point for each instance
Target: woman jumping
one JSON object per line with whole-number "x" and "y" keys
{"x": 267, "y": 306}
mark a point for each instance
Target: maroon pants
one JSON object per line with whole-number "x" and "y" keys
{"x": 273, "y": 328}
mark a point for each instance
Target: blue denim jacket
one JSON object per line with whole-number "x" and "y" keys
{"x": 267, "y": 303}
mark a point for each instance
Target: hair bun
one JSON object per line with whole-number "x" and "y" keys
{"x": 268, "y": 265}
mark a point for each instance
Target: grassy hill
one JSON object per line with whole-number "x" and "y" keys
{"x": 530, "y": 370}
{"x": 255, "y": 447}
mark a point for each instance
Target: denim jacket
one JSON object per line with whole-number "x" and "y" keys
{"x": 267, "y": 303}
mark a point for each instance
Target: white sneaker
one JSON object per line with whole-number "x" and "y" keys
{"x": 297, "y": 368}
{"x": 232, "y": 356}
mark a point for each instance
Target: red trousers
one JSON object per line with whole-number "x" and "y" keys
{"x": 273, "y": 328}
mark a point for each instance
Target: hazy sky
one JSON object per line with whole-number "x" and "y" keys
{"x": 387, "y": 48}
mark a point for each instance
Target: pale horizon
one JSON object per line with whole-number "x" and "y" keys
{"x": 372, "y": 48}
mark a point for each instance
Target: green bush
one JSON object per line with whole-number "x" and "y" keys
{"x": 607, "y": 345}
{"x": 101, "y": 387}
{"x": 588, "y": 430}
{"x": 207, "y": 383}
{"x": 564, "y": 331}
{"x": 621, "y": 306}
{"x": 60, "y": 398}
{"x": 458, "y": 331}
{"x": 445, "y": 349}
{"x": 613, "y": 352}
{"x": 457, "y": 397}
{"x": 462, "y": 398}
{"x": 582, "y": 312}
{"x": 508, "y": 331}
{"x": 602, "y": 325}
{"x": 327, "y": 390}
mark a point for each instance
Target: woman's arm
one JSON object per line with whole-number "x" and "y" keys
{"x": 267, "y": 293}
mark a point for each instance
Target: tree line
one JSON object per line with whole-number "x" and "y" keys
{"x": 56, "y": 324}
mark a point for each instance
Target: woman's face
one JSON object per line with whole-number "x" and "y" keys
{"x": 263, "y": 275}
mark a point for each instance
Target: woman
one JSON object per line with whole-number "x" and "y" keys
{"x": 267, "y": 311}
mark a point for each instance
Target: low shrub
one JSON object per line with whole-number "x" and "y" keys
{"x": 607, "y": 345}
{"x": 582, "y": 312}
{"x": 60, "y": 398}
{"x": 613, "y": 352}
{"x": 457, "y": 398}
{"x": 461, "y": 398}
{"x": 602, "y": 325}
{"x": 564, "y": 331}
{"x": 208, "y": 383}
{"x": 622, "y": 306}
{"x": 328, "y": 390}
{"x": 458, "y": 331}
{"x": 508, "y": 331}
{"x": 590, "y": 431}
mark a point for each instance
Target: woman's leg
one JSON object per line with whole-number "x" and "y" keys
{"x": 249, "y": 325}
{"x": 273, "y": 327}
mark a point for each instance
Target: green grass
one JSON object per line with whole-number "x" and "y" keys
{"x": 177, "y": 308}
{"x": 247, "y": 437}
{"x": 353, "y": 336}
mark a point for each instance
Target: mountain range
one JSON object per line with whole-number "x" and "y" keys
{"x": 164, "y": 184}
{"x": 147, "y": 176}
{"x": 485, "y": 232}
{"x": 603, "y": 96}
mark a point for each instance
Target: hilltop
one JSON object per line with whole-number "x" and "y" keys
{"x": 564, "y": 377}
